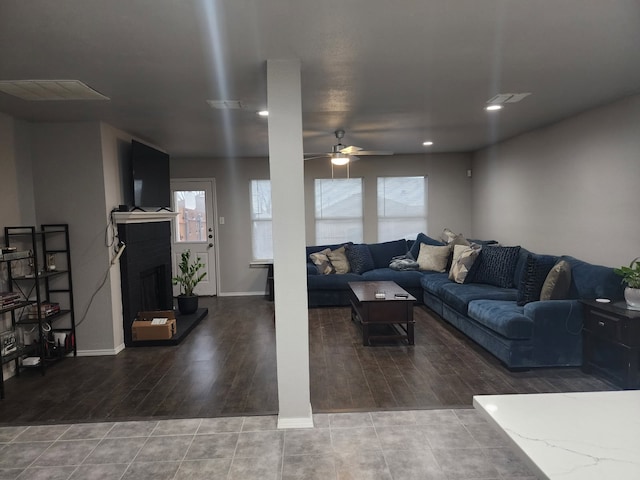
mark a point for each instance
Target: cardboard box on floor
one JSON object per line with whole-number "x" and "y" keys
{"x": 143, "y": 328}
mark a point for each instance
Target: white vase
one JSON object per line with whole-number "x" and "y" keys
{"x": 632, "y": 296}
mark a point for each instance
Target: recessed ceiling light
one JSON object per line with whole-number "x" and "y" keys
{"x": 428, "y": 143}
{"x": 263, "y": 113}
{"x": 492, "y": 108}
{"x": 50, "y": 90}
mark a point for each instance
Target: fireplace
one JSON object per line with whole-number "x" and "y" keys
{"x": 145, "y": 270}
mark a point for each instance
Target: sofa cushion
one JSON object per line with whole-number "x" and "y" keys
{"x": 463, "y": 259}
{"x": 496, "y": 266}
{"x": 359, "y": 256}
{"x": 503, "y": 317}
{"x": 557, "y": 283}
{"x": 339, "y": 260}
{"x": 322, "y": 262}
{"x": 433, "y": 282}
{"x": 406, "y": 279}
{"x": 535, "y": 273}
{"x": 458, "y": 296}
{"x": 433, "y": 258}
{"x": 422, "y": 238}
{"x": 332, "y": 282}
{"x": 382, "y": 253}
{"x": 593, "y": 281}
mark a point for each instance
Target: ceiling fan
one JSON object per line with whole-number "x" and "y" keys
{"x": 341, "y": 155}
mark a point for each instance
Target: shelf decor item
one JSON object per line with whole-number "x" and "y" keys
{"x": 189, "y": 277}
{"x": 631, "y": 276}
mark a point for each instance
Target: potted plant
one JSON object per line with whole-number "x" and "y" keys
{"x": 189, "y": 277}
{"x": 631, "y": 276}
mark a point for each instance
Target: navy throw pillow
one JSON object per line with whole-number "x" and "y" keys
{"x": 536, "y": 269}
{"x": 496, "y": 266}
{"x": 422, "y": 238}
{"x": 382, "y": 253}
{"x": 359, "y": 257}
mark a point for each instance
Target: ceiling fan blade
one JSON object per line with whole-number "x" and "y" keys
{"x": 316, "y": 155}
{"x": 374, "y": 152}
{"x": 350, "y": 150}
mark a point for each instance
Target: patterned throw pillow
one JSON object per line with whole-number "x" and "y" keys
{"x": 556, "y": 285}
{"x": 497, "y": 265}
{"x": 433, "y": 258}
{"x": 321, "y": 261}
{"x": 339, "y": 260}
{"x": 463, "y": 259}
{"x": 359, "y": 256}
{"x": 535, "y": 272}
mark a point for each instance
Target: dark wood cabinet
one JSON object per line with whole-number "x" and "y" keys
{"x": 611, "y": 342}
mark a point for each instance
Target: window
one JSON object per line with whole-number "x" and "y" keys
{"x": 191, "y": 224}
{"x": 402, "y": 207}
{"x": 338, "y": 210}
{"x": 261, "y": 232}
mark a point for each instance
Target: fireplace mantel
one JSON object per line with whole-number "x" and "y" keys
{"x": 143, "y": 217}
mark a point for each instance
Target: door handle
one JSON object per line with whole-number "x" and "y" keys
{"x": 210, "y": 245}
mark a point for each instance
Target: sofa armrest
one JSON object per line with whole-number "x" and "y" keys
{"x": 312, "y": 269}
{"x": 557, "y": 331}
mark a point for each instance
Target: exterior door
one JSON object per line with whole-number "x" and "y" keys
{"x": 194, "y": 228}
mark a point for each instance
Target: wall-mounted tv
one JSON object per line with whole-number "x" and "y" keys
{"x": 150, "y": 177}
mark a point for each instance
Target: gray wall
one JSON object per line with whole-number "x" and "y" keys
{"x": 69, "y": 188}
{"x": 449, "y": 202}
{"x": 570, "y": 188}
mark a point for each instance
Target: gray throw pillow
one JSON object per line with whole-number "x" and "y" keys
{"x": 463, "y": 259}
{"x": 339, "y": 260}
{"x": 433, "y": 258}
{"x": 556, "y": 285}
{"x": 321, "y": 261}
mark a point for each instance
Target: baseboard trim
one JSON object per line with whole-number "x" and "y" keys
{"x": 240, "y": 294}
{"x": 296, "y": 422}
{"x": 102, "y": 352}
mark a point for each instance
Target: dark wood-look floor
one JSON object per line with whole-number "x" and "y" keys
{"x": 227, "y": 366}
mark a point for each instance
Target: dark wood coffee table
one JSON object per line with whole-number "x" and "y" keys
{"x": 393, "y": 312}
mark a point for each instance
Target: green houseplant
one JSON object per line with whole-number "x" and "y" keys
{"x": 631, "y": 276}
{"x": 189, "y": 277}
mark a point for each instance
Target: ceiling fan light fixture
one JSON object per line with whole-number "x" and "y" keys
{"x": 339, "y": 159}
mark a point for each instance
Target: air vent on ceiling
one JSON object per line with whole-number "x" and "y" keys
{"x": 225, "y": 104}
{"x": 34, "y": 90}
{"x": 507, "y": 98}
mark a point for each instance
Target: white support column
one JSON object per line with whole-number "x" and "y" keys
{"x": 290, "y": 277}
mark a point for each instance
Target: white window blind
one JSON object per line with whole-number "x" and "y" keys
{"x": 402, "y": 207}
{"x": 338, "y": 210}
{"x": 261, "y": 225}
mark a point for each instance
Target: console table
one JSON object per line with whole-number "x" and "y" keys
{"x": 611, "y": 341}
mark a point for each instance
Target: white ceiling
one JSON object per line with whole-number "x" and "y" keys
{"x": 391, "y": 73}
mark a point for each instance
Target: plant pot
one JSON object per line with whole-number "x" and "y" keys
{"x": 187, "y": 304}
{"x": 632, "y": 296}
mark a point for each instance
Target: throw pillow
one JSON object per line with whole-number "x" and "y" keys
{"x": 359, "y": 256}
{"x": 420, "y": 239}
{"x": 556, "y": 285}
{"x": 536, "y": 269}
{"x": 447, "y": 235}
{"x": 321, "y": 261}
{"x": 339, "y": 260}
{"x": 463, "y": 259}
{"x": 433, "y": 258}
{"x": 497, "y": 265}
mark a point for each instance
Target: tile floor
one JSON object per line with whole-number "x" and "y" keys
{"x": 398, "y": 445}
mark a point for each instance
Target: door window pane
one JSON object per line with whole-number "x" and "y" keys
{"x": 191, "y": 224}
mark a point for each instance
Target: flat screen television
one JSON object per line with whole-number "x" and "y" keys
{"x": 150, "y": 177}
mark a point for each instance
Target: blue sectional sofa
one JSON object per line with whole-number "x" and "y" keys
{"x": 537, "y": 334}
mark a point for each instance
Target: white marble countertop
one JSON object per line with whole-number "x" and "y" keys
{"x": 571, "y": 436}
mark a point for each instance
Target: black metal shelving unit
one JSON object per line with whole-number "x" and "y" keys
{"x": 45, "y": 307}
